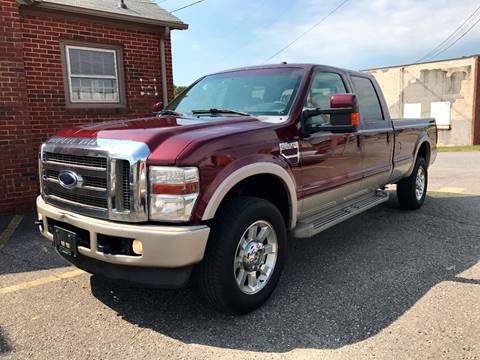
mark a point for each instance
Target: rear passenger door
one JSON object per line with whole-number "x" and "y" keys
{"x": 375, "y": 133}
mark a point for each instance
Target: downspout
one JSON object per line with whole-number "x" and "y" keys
{"x": 163, "y": 62}
{"x": 401, "y": 103}
{"x": 475, "y": 131}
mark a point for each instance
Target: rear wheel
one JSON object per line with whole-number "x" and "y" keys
{"x": 411, "y": 191}
{"x": 244, "y": 256}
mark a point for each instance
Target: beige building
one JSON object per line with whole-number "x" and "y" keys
{"x": 446, "y": 90}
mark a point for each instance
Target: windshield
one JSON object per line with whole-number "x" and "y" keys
{"x": 256, "y": 92}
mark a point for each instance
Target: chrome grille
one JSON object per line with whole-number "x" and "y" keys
{"x": 88, "y": 168}
{"x": 63, "y": 194}
{"x": 110, "y": 177}
{"x": 90, "y": 161}
{"x": 92, "y": 181}
{"x": 126, "y": 185}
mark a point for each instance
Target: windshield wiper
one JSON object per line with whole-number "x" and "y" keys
{"x": 171, "y": 112}
{"x": 219, "y": 111}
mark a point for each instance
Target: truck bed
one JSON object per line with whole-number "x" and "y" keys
{"x": 408, "y": 134}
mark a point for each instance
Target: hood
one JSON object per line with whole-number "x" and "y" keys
{"x": 167, "y": 135}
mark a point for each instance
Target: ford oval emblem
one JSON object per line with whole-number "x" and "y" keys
{"x": 69, "y": 179}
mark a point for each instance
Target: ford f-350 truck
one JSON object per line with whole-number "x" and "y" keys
{"x": 210, "y": 188}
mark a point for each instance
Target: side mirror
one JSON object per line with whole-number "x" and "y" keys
{"x": 343, "y": 114}
{"x": 157, "y": 107}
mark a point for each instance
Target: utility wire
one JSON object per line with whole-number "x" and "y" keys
{"x": 307, "y": 31}
{"x": 458, "y": 39}
{"x": 186, "y": 6}
{"x": 438, "y": 49}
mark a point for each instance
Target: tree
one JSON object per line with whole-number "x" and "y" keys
{"x": 178, "y": 89}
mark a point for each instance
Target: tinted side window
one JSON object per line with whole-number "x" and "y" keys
{"x": 370, "y": 108}
{"x": 324, "y": 85}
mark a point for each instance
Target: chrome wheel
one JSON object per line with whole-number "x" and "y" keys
{"x": 420, "y": 183}
{"x": 255, "y": 257}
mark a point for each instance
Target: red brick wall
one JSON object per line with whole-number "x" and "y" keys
{"x": 17, "y": 169}
{"x": 32, "y": 100}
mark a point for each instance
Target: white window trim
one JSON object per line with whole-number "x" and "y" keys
{"x": 69, "y": 75}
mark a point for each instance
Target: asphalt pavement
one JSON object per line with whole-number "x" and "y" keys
{"x": 387, "y": 284}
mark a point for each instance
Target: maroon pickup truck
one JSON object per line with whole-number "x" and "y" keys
{"x": 211, "y": 188}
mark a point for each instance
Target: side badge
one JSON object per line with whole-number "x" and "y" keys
{"x": 291, "y": 152}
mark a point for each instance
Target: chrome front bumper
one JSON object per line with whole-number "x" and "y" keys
{"x": 163, "y": 246}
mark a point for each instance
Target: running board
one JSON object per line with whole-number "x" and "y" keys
{"x": 316, "y": 223}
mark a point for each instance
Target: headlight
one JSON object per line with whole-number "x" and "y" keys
{"x": 173, "y": 192}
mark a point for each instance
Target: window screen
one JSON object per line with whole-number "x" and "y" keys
{"x": 92, "y": 75}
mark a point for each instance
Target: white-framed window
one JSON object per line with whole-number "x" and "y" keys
{"x": 93, "y": 75}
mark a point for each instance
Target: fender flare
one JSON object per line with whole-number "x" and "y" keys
{"x": 247, "y": 171}
{"x": 423, "y": 140}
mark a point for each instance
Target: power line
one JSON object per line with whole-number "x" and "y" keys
{"x": 438, "y": 49}
{"x": 465, "y": 33}
{"x": 439, "y": 46}
{"x": 186, "y": 6}
{"x": 307, "y": 31}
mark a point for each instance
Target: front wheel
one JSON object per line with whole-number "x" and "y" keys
{"x": 244, "y": 256}
{"x": 411, "y": 191}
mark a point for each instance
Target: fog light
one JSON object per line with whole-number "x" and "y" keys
{"x": 137, "y": 247}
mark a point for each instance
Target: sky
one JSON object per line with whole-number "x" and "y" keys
{"x": 362, "y": 34}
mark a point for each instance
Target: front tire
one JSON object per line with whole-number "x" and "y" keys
{"x": 411, "y": 191}
{"x": 244, "y": 256}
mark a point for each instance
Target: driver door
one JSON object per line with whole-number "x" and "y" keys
{"x": 331, "y": 163}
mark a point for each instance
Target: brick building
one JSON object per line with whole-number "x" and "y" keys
{"x": 447, "y": 90}
{"x": 70, "y": 62}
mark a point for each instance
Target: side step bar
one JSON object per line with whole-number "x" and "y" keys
{"x": 316, "y": 223}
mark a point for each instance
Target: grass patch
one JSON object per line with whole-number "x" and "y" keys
{"x": 458, "y": 148}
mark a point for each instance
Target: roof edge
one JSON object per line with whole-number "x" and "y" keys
{"x": 421, "y": 63}
{"x": 105, "y": 14}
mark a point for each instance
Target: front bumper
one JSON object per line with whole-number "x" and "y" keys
{"x": 163, "y": 246}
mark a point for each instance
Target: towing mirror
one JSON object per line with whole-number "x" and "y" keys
{"x": 341, "y": 117}
{"x": 157, "y": 107}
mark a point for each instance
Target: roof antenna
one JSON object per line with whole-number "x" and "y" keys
{"x": 284, "y": 63}
{"x": 122, "y": 4}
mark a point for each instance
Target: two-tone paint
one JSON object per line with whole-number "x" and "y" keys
{"x": 231, "y": 148}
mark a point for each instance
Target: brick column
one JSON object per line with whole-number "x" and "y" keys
{"x": 18, "y": 177}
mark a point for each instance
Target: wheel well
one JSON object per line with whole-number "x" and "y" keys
{"x": 264, "y": 186}
{"x": 424, "y": 152}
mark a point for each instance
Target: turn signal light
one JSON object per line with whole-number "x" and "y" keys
{"x": 175, "y": 189}
{"x": 355, "y": 119}
{"x": 137, "y": 247}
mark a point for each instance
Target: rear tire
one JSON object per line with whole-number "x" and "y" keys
{"x": 411, "y": 191}
{"x": 244, "y": 256}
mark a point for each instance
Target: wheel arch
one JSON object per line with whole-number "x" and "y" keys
{"x": 424, "y": 150}
{"x": 424, "y": 147}
{"x": 248, "y": 173}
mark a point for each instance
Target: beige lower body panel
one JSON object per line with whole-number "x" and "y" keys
{"x": 163, "y": 246}
{"x": 335, "y": 198}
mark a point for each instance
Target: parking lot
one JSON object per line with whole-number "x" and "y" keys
{"x": 387, "y": 284}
